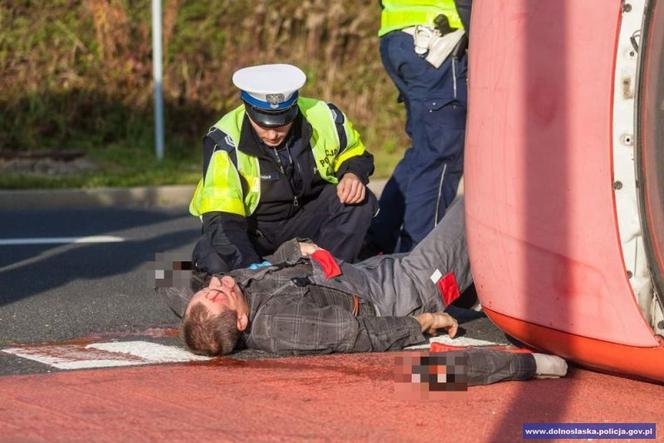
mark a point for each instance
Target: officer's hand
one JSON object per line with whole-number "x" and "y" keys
{"x": 350, "y": 189}
{"x": 430, "y": 322}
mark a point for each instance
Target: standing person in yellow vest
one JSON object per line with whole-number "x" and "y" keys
{"x": 422, "y": 46}
{"x": 276, "y": 167}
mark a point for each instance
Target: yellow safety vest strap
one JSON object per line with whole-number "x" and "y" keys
{"x": 354, "y": 146}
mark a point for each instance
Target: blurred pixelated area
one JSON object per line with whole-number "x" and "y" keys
{"x": 428, "y": 375}
{"x": 170, "y": 271}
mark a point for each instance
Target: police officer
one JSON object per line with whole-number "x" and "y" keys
{"x": 423, "y": 50}
{"x": 280, "y": 166}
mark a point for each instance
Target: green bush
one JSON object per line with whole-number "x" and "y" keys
{"x": 78, "y": 74}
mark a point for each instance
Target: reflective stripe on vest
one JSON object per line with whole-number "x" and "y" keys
{"x": 325, "y": 147}
{"x": 399, "y": 14}
{"x": 221, "y": 190}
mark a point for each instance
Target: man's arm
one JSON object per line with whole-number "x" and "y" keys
{"x": 362, "y": 166}
{"x": 229, "y": 237}
{"x": 289, "y": 252}
{"x": 353, "y": 156}
{"x": 353, "y": 164}
{"x": 353, "y": 177}
{"x": 221, "y": 203}
{"x": 463, "y": 8}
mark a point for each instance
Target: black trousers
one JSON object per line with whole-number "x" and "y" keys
{"x": 332, "y": 225}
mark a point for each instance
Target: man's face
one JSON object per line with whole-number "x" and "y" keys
{"x": 221, "y": 294}
{"x": 271, "y": 136}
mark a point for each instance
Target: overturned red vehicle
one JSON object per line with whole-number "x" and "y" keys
{"x": 564, "y": 177}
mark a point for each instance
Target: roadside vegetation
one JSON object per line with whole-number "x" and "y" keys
{"x": 77, "y": 75}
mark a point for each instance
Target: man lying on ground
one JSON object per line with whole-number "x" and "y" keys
{"x": 311, "y": 303}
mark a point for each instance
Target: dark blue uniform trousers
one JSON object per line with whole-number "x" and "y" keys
{"x": 425, "y": 181}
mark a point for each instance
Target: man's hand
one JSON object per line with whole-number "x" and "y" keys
{"x": 430, "y": 322}
{"x": 306, "y": 248}
{"x": 350, "y": 189}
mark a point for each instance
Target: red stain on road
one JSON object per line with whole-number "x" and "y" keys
{"x": 340, "y": 397}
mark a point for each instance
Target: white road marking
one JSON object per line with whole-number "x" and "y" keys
{"x": 60, "y": 240}
{"x": 152, "y": 352}
{"x": 461, "y": 341}
{"x": 134, "y": 353}
{"x": 104, "y": 355}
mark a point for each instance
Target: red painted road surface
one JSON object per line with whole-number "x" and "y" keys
{"x": 341, "y": 397}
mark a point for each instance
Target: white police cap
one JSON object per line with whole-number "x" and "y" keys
{"x": 271, "y": 88}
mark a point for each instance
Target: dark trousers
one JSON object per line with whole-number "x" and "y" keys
{"x": 334, "y": 226}
{"x": 467, "y": 367}
{"x": 425, "y": 181}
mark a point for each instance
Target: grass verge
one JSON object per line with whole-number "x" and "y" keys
{"x": 117, "y": 166}
{"x": 114, "y": 166}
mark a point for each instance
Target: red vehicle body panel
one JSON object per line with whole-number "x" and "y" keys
{"x": 541, "y": 218}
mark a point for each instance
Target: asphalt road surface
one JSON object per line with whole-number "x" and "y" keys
{"x": 75, "y": 273}
{"x": 54, "y": 291}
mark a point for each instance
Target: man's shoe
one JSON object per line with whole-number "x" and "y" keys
{"x": 549, "y": 366}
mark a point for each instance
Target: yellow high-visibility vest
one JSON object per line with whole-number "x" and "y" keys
{"x": 221, "y": 188}
{"x": 399, "y": 14}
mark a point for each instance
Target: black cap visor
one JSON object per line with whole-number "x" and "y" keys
{"x": 271, "y": 119}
